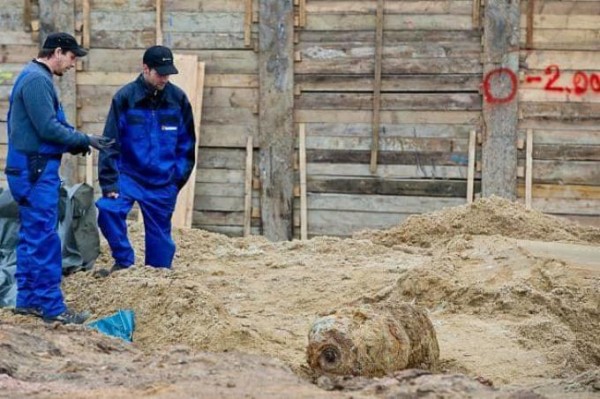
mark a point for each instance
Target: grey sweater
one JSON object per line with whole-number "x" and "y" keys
{"x": 34, "y": 115}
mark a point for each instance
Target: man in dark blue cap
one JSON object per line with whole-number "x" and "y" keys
{"x": 38, "y": 135}
{"x": 152, "y": 124}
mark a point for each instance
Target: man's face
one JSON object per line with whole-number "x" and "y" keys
{"x": 154, "y": 78}
{"x": 65, "y": 60}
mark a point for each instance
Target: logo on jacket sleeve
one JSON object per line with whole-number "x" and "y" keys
{"x": 166, "y": 128}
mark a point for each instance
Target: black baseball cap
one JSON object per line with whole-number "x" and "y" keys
{"x": 160, "y": 58}
{"x": 64, "y": 41}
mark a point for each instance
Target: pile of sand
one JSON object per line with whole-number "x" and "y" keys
{"x": 486, "y": 216}
{"x": 255, "y": 296}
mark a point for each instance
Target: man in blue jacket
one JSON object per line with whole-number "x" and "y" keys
{"x": 152, "y": 124}
{"x": 38, "y": 135}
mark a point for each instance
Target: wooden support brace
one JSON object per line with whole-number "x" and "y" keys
{"x": 530, "y": 10}
{"x": 303, "y": 204}
{"x": 248, "y": 24}
{"x": 159, "y": 14}
{"x": 377, "y": 86}
{"x": 476, "y": 13}
{"x": 297, "y": 56}
{"x": 302, "y": 15}
{"x": 27, "y": 15}
{"x": 471, "y": 169}
{"x": 529, "y": 169}
{"x": 86, "y": 24}
{"x": 89, "y": 169}
{"x": 248, "y": 188}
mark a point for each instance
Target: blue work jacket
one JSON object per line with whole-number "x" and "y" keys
{"x": 154, "y": 136}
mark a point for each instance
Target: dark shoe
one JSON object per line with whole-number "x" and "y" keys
{"x": 102, "y": 273}
{"x": 27, "y": 312}
{"x": 69, "y": 317}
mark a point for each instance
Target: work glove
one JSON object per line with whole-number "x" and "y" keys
{"x": 100, "y": 142}
{"x": 85, "y": 150}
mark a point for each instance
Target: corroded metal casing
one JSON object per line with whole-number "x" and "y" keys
{"x": 372, "y": 340}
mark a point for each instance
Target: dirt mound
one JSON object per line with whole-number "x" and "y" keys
{"x": 486, "y": 216}
{"x": 550, "y": 305}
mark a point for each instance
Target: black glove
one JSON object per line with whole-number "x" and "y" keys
{"x": 100, "y": 143}
{"x": 85, "y": 150}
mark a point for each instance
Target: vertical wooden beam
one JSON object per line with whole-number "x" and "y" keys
{"x": 248, "y": 24}
{"x": 376, "y": 121}
{"x": 529, "y": 169}
{"x": 27, "y": 15}
{"x": 303, "y": 199}
{"x": 530, "y": 12}
{"x": 86, "y": 24}
{"x": 471, "y": 167}
{"x": 276, "y": 134}
{"x": 302, "y": 13}
{"x": 476, "y": 14}
{"x": 500, "y": 107}
{"x": 59, "y": 16}
{"x": 159, "y": 15}
{"x": 248, "y": 188}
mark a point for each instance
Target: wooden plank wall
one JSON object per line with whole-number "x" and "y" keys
{"x": 430, "y": 101}
{"x": 559, "y": 102}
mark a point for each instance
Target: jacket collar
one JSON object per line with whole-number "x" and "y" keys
{"x": 143, "y": 91}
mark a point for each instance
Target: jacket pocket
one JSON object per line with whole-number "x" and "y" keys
{"x": 12, "y": 171}
{"x": 36, "y": 164}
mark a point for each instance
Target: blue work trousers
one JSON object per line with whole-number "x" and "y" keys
{"x": 39, "y": 260}
{"x": 157, "y": 205}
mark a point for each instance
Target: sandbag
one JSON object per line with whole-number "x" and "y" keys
{"x": 9, "y": 236}
{"x": 78, "y": 228}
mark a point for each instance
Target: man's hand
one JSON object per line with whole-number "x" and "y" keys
{"x": 112, "y": 194}
{"x": 100, "y": 143}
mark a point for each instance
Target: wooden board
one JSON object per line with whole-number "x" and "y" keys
{"x": 387, "y": 117}
{"x": 386, "y": 186}
{"x": 389, "y": 171}
{"x": 191, "y": 80}
{"x": 390, "y": 101}
{"x": 248, "y": 187}
{"x": 389, "y": 83}
{"x": 340, "y": 63}
{"x": 326, "y": 22}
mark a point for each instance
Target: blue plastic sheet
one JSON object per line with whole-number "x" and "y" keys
{"x": 120, "y": 324}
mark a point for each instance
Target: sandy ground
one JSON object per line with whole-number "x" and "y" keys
{"x": 514, "y": 297}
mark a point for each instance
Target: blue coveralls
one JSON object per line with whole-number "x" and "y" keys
{"x": 32, "y": 171}
{"x": 152, "y": 159}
